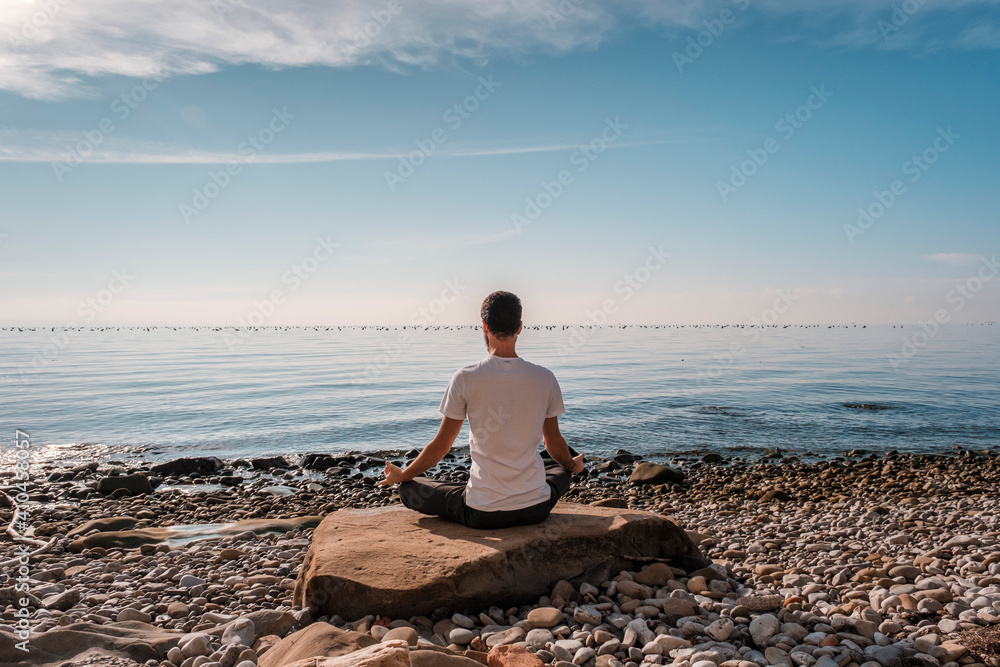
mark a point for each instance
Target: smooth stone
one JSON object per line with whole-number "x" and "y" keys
{"x": 189, "y": 581}
{"x": 318, "y": 639}
{"x": 657, "y": 574}
{"x": 647, "y": 472}
{"x": 545, "y": 617}
{"x": 409, "y": 635}
{"x": 539, "y": 637}
{"x": 763, "y": 628}
{"x": 424, "y": 562}
{"x": 461, "y": 636}
{"x": 129, "y": 614}
{"x": 240, "y": 631}
{"x": 721, "y": 629}
{"x": 587, "y": 614}
{"x": 463, "y": 621}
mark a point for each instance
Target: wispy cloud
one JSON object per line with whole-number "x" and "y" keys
{"x": 28, "y": 146}
{"x": 49, "y": 50}
{"x": 954, "y": 258}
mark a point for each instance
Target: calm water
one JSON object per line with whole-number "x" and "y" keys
{"x": 159, "y": 394}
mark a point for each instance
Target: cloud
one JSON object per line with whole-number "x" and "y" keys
{"x": 954, "y": 258}
{"x": 33, "y": 146}
{"x": 49, "y": 50}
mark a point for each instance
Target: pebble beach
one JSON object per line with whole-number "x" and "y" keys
{"x": 863, "y": 560}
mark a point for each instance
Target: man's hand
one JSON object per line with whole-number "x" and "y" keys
{"x": 394, "y": 474}
{"x": 577, "y": 464}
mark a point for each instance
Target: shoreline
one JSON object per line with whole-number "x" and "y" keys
{"x": 831, "y": 536}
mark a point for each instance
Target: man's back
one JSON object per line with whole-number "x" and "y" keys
{"x": 512, "y": 405}
{"x": 506, "y": 400}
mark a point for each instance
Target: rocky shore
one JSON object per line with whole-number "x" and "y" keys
{"x": 863, "y": 560}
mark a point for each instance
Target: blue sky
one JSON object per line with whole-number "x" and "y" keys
{"x": 117, "y": 125}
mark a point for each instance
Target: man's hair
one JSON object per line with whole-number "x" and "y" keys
{"x": 502, "y": 313}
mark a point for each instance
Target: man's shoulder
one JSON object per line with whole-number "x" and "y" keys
{"x": 537, "y": 368}
{"x": 471, "y": 368}
{"x": 488, "y": 366}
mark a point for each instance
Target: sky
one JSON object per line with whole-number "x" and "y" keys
{"x": 393, "y": 161}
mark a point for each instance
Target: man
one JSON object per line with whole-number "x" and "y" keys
{"x": 512, "y": 405}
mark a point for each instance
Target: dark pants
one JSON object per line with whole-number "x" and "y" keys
{"x": 447, "y": 500}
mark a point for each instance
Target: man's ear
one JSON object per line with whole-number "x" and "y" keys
{"x": 486, "y": 329}
{"x": 520, "y": 325}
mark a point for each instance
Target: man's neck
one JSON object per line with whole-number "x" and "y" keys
{"x": 500, "y": 349}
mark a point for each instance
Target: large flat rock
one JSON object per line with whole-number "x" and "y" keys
{"x": 399, "y": 563}
{"x": 178, "y": 535}
{"x": 76, "y": 641}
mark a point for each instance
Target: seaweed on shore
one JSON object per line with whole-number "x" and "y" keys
{"x": 984, "y": 642}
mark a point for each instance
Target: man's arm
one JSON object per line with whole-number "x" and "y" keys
{"x": 433, "y": 452}
{"x": 557, "y": 448}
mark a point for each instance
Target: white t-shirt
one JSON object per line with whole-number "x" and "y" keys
{"x": 506, "y": 401}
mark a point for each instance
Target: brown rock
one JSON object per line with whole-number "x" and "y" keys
{"x": 657, "y": 574}
{"x": 136, "y": 484}
{"x": 437, "y": 656}
{"x": 562, "y": 589}
{"x": 634, "y": 590}
{"x": 130, "y": 639}
{"x": 408, "y": 635}
{"x": 103, "y": 525}
{"x": 319, "y": 639}
{"x": 697, "y": 585}
{"x": 677, "y": 607}
{"x": 510, "y": 655}
{"x": 942, "y": 595}
{"x": 133, "y": 539}
{"x": 610, "y": 502}
{"x": 177, "y": 610}
{"x": 399, "y": 563}
{"x": 265, "y": 622}
{"x": 392, "y": 654}
{"x": 654, "y": 473}
{"x": 62, "y": 601}
{"x": 545, "y": 617}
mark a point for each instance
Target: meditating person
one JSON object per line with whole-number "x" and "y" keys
{"x": 512, "y": 405}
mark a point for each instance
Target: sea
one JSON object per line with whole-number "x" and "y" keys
{"x": 139, "y": 395}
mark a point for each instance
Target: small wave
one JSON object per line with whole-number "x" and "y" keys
{"x": 868, "y": 406}
{"x": 721, "y": 410}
